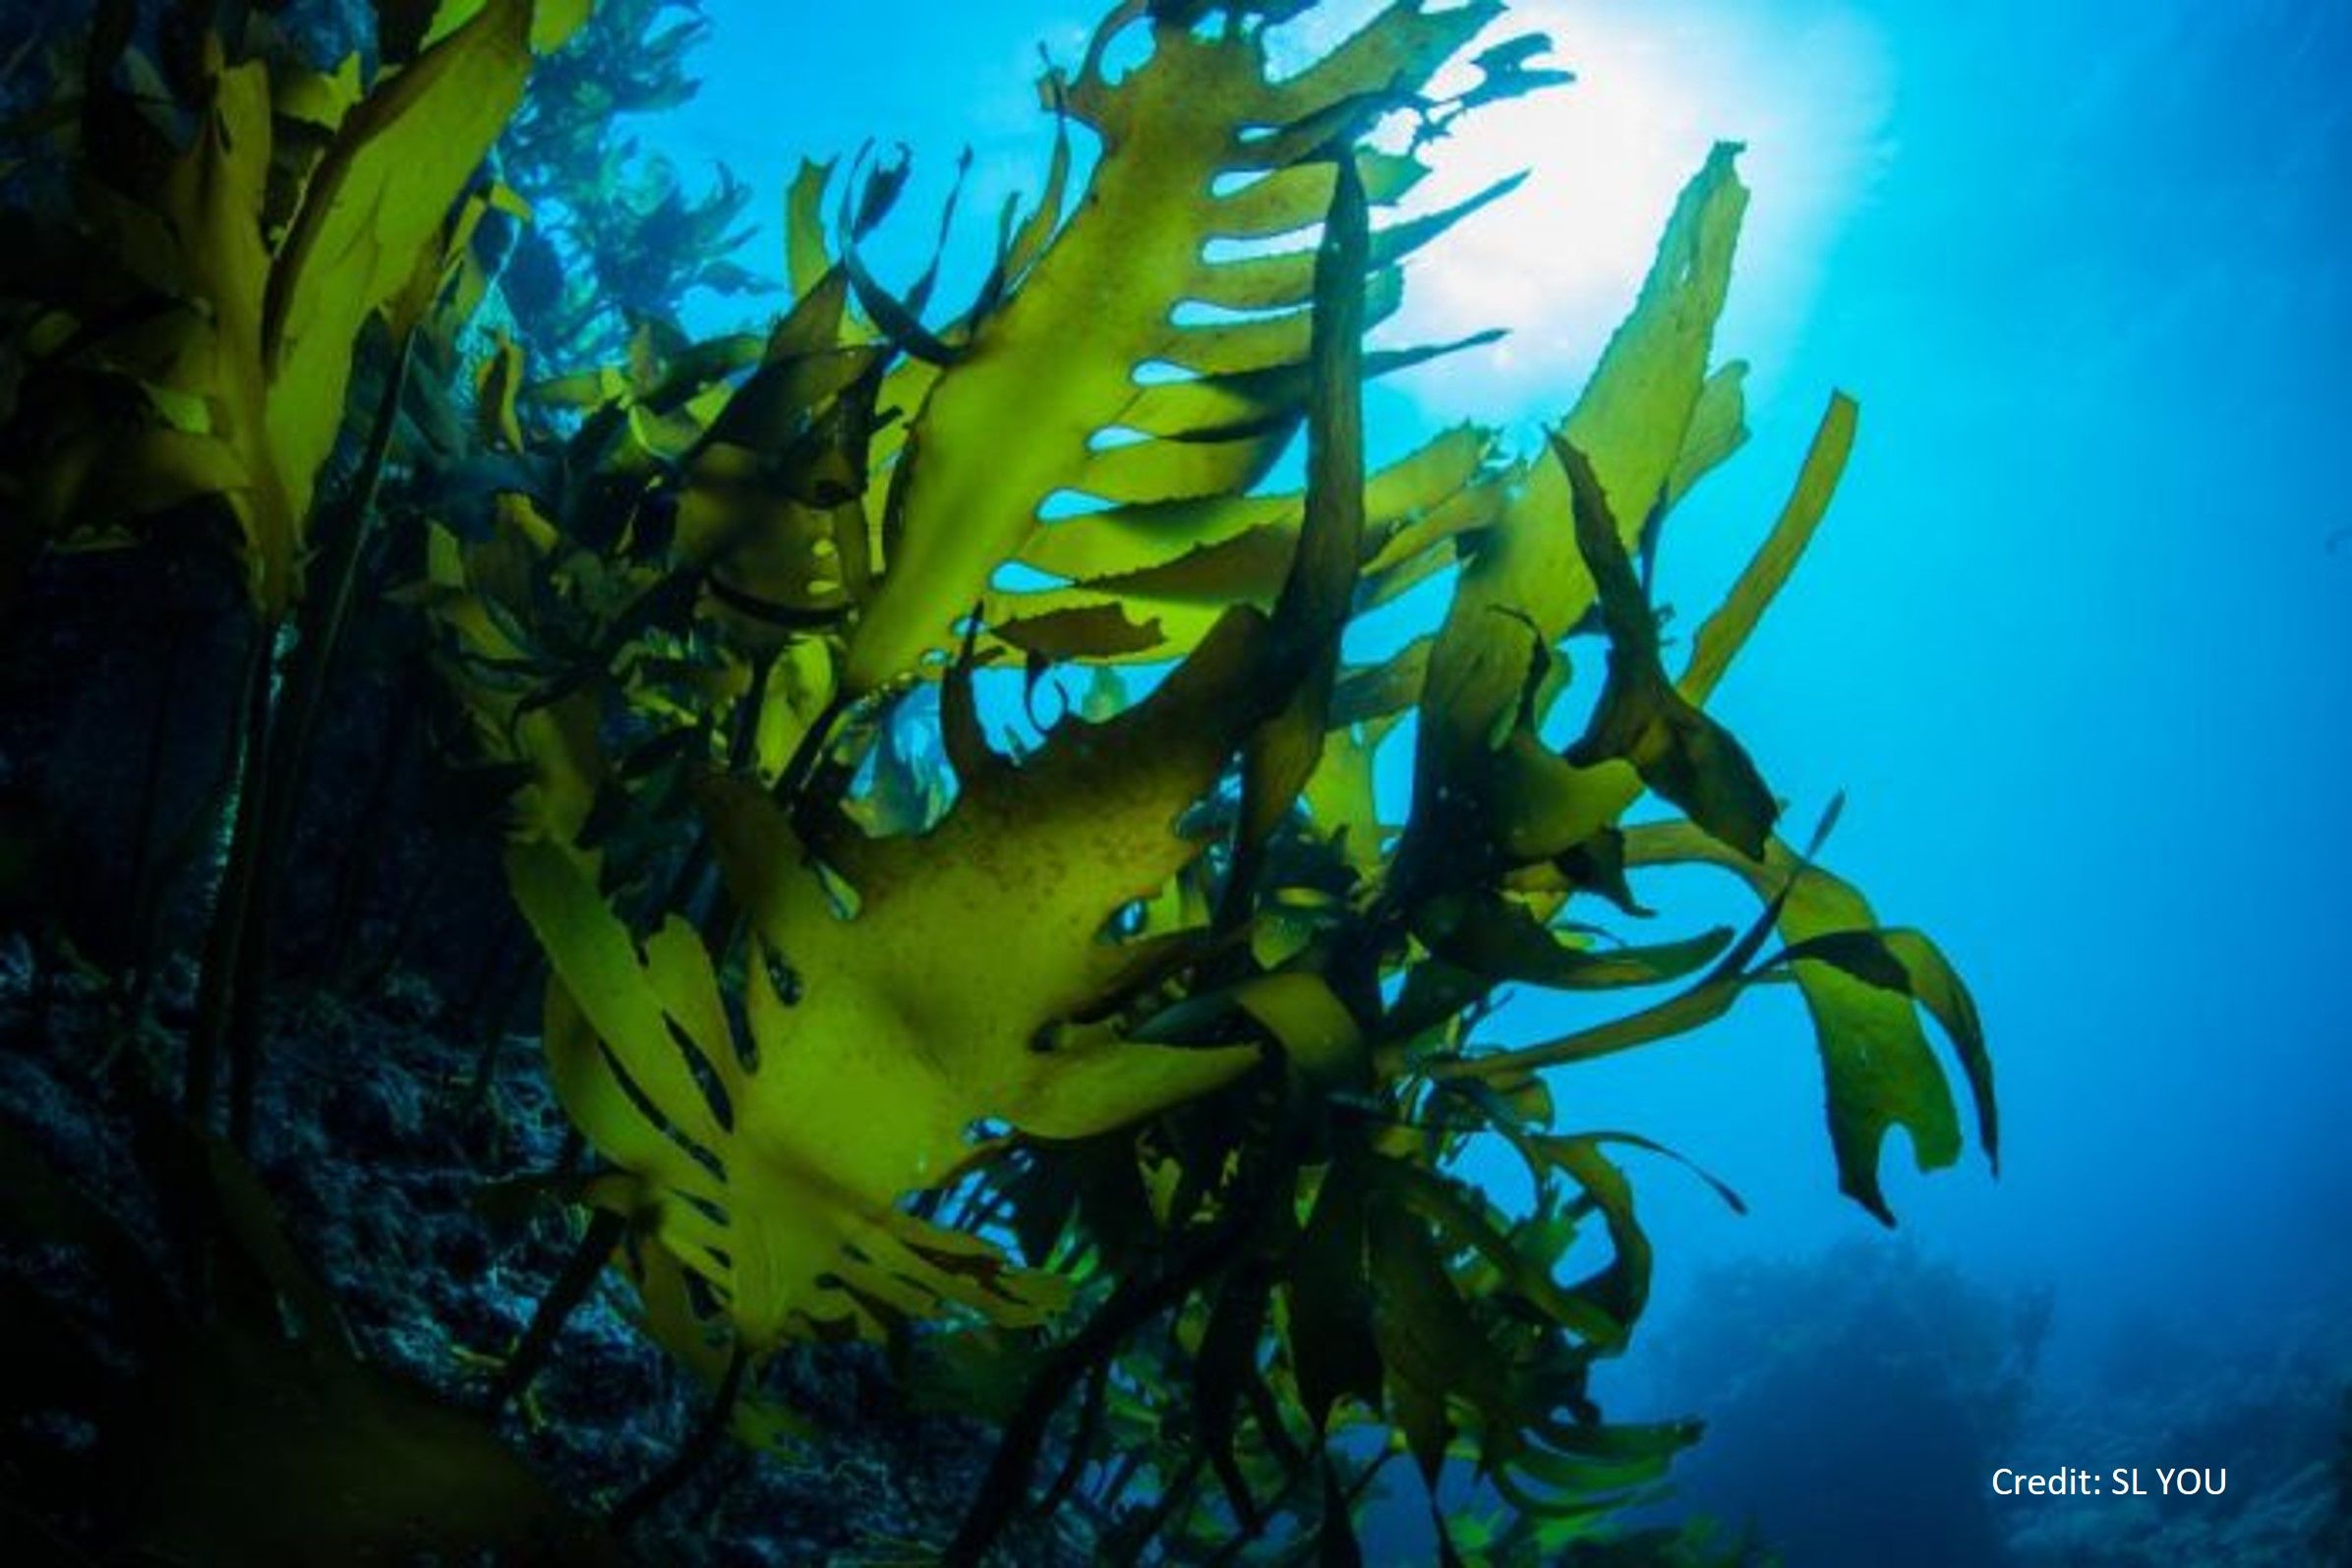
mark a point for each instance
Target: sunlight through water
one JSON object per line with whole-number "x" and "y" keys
{"x": 1807, "y": 91}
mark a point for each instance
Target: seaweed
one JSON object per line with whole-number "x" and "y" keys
{"x": 1156, "y": 1026}
{"x": 1118, "y": 1080}
{"x": 615, "y": 238}
{"x": 186, "y": 339}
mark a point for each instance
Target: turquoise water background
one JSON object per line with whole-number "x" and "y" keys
{"x": 2074, "y": 641}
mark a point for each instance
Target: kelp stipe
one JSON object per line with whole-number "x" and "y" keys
{"x": 1139, "y": 1064}
{"x": 189, "y": 333}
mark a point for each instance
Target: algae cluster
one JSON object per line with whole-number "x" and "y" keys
{"x": 1118, "y": 1084}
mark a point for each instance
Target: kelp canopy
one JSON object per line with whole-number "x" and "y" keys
{"x": 1128, "y": 1070}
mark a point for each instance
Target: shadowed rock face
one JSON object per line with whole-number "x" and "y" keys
{"x": 1862, "y": 1398}
{"x": 376, "y": 1146}
{"x": 1858, "y": 1404}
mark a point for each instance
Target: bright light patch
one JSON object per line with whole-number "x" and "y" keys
{"x": 1804, "y": 86}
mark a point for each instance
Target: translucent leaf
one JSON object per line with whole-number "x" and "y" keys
{"x": 1013, "y": 422}
{"x": 1719, "y": 640}
{"x": 1632, "y": 423}
{"x": 375, "y": 205}
{"x": 1880, "y": 1070}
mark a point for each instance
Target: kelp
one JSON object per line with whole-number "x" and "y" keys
{"x": 615, "y": 238}
{"x": 244, "y": 234}
{"x": 220, "y": 286}
{"x": 1118, "y": 1068}
{"x": 1138, "y": 1063}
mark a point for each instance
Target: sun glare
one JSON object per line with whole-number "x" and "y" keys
{"x": 1803, "y": 85}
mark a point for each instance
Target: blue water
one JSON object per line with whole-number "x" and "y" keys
{"x": 2075, "y": 641}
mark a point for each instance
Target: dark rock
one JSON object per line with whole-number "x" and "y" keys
{"x": 375, "y": 1147}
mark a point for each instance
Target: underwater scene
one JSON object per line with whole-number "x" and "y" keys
{"x": 1175, "y": 782}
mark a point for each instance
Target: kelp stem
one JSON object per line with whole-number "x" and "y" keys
{"x": 287, "y": 751}
{"x": 1090, "y": 1426}
{"x": 355, "y": 880}
{"x": 696, "y": 1451}
{"x": 1136, "y": 1303}
{"x": 146, "y": 852}
{"x": 249, "y": 737}
{"x": 571, "y": 1287}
